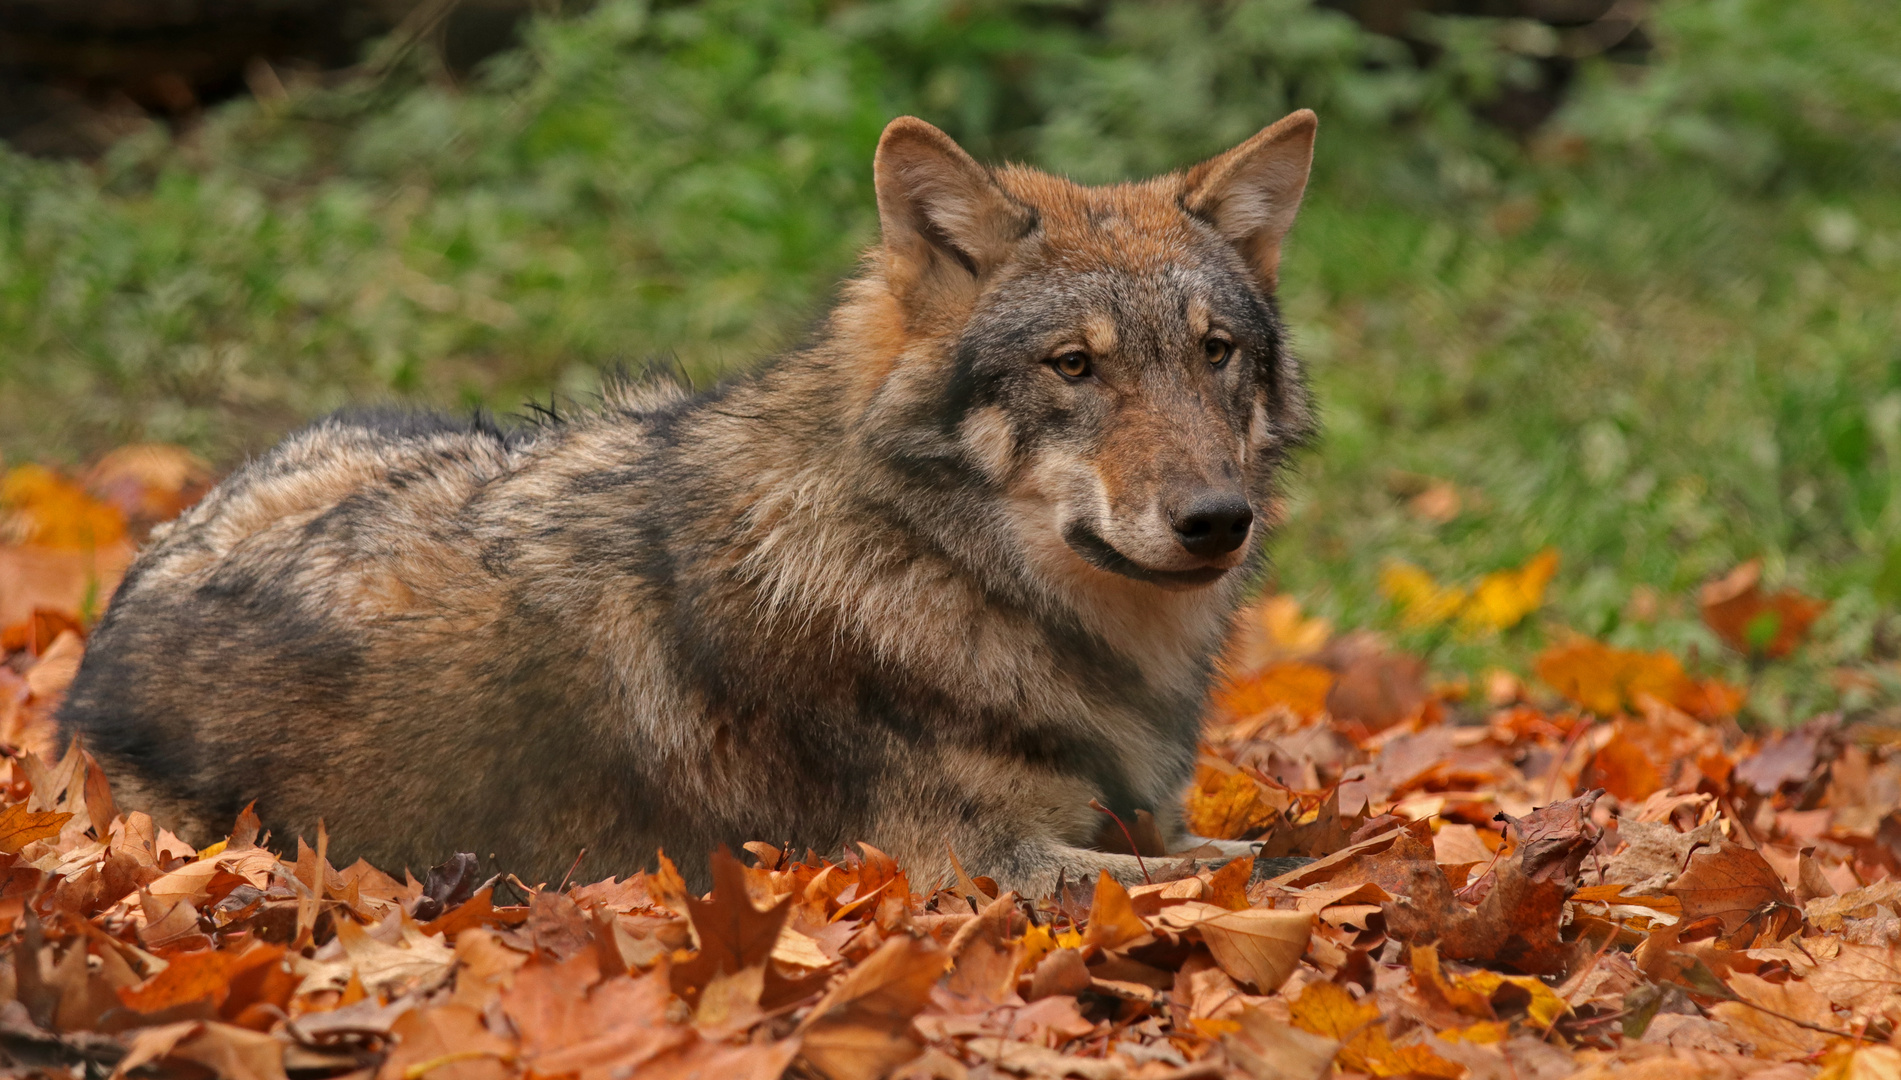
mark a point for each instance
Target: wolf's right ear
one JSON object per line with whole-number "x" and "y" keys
{"x": 946, "y": 223}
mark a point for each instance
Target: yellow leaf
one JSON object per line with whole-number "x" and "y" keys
{"x": 1328, "y": 1009}
{"x": 1422, "y": 601}
{"x": 1485, "y": 1031}
{"x": 46, "y": 509}
{"x": 1037, "y": 943}
{"x": 1227, "y": 805}
{"x": 1503, "y": 599}
{"x": 1545, "y": 1008}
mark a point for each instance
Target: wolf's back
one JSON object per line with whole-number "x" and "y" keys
{"x": 315, "y": 635}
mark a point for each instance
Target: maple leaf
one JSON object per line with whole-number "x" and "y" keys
{"x": 1272, "y": 1050}
{"x": 733, "y": 935}
{"x": 20, "y": 827}
{"x": 1227, "y": 804}
{"x": 1422, "y": 601}
{"x": 1112, "y": 918}
{"x": 45, "y": 509}
{"x": 1605, "y": 680}
{"x": 428, "y": 1041}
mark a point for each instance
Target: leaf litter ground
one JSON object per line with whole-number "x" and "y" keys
{"x": 1598, "y": 872}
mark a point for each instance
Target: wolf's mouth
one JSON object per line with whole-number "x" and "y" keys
{"x": 1101, "y": 554}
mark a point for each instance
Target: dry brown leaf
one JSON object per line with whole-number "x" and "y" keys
{"x": 1738, "y": 886}
{"x": 1258, "y": 947}
{"x": 1764, "y": 1017}
{"x": 447, "y": 1042}
{"x": 1268, "y": 1049}
{"x": 862, "y": 1027}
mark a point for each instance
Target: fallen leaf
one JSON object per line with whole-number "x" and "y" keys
{"x": 20, "y": 827}
{"x": 1295, "y": 685}
{"x": 1112, "y": 918}
{"x": 1258, "y": 947}
{"x": 1328, "y": 1010}
{"x": 862, "y": 1027}
{"x": 1738, "y": 886}
{"x": 1501, "y": 600}
{"x": 1268, "y": 1049}
{"x": 1764, "y": 1017}
{"x": 1752, "y": 621}
{"x": 447, "y": 1042}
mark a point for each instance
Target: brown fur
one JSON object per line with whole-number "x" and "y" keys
{"x": 911, "y": 584}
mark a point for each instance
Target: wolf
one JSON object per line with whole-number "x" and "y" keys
{"x": 937, "y": 580}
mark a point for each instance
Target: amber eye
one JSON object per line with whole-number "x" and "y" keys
{"x": 1217, "y": 350}
{"x": 1072, "y": 365}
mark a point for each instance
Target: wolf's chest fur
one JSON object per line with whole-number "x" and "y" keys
{"x": 916, "y": 584}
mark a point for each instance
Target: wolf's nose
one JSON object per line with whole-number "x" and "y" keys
{"x": 1213, "y": 524}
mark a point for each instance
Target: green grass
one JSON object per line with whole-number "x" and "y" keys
{"x": 1661, "y": 337}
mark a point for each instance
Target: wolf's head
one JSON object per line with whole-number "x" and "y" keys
{"x": 1110, "y": 359}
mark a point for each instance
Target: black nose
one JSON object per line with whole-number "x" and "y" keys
{"x": 1213, "y": 524}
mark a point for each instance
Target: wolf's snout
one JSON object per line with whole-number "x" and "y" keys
{"x": 1213, "y": 523}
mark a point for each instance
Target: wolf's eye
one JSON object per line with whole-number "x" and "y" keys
{"x": 1217, "y": 350}
{"x": 1072, "y": 365}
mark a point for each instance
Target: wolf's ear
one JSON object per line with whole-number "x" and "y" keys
{"x": 1251, "y": 193}
{"x": 942, "y": 215}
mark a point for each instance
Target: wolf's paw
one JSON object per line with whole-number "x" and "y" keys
{"x": 1274, "y": 866}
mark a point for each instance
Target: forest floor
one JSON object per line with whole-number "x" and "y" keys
{"x": 1589, "y": 866}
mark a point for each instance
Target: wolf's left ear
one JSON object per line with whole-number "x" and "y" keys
{"x": 1251, "y": 193}
{"x": 945, "y": 221}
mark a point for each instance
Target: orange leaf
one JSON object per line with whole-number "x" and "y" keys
{"x": 1112, "y": 917}
{"x": 1300, "y": 686}
{"x": 1625, "y": 768}
{"x": 48, "y": 510}
{"x": 1227, "y": 805}
{"x": 1752, "y": 621}
{"x": 1605, "y": 680}
{"x": 20, "y": 827}
{"x": 189, "y": 977}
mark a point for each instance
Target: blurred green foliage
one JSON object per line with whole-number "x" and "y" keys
{"x": 1661, "y": 335}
